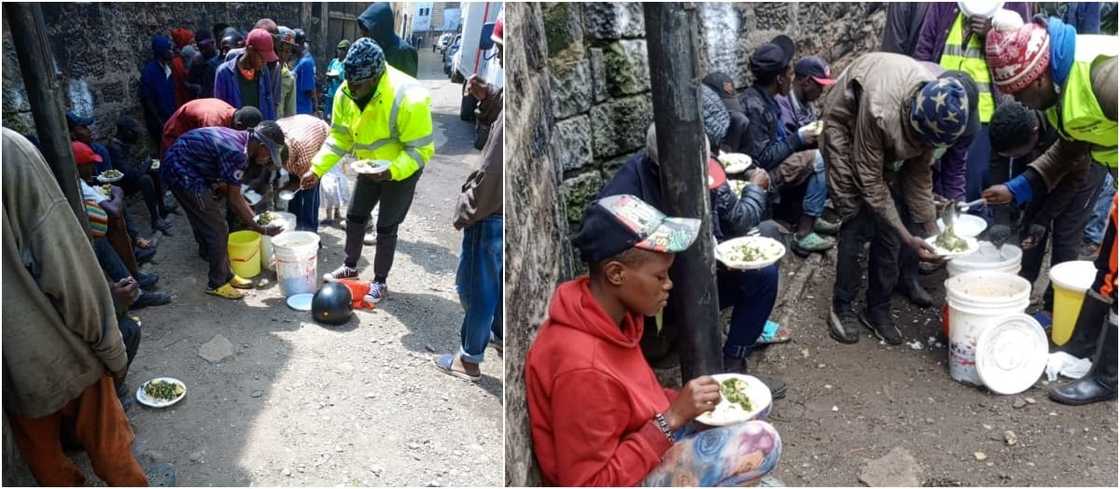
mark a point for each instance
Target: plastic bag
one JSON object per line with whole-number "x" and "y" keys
{"x": 1066, "y": 365}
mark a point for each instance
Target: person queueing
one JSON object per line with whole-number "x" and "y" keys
{"x": 307, "y": 93}
{"x": 598, "y": 414}
{"x": 157, "y": 87}
{"x": 244, "y": 80}
{"x": 304, "y": 135}
{"x": 1046, "y": 65}
{"x": 206, "y": 112}
{"x": 336, "y": 72}
{"x": 886, "y": 116}
{"x": 363, "y": 126}
{"x": 377, "y": 23}
{"x": 204, "y": 170}
{"x": 62, "y": 347}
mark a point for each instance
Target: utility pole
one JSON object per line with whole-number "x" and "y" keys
{"x": 693, "y": 307}
{"x": 36, "y": 64}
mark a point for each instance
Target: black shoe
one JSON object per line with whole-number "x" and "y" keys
{"x": 843, "y": 326}
{"x": 1085, "y": 391}
{"x": 144, "y": 255}
{"x": 146, "y": 280}
{"x": 151, "y": 299}
{"x": 734, "y": 365}
{"x": 777, "y": 386}
{"x": 882, "y": 326}
{"x": 915, "y": 292}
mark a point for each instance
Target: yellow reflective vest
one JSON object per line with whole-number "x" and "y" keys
{"x": 1078, "y": 115}
{"x": 970, "y": 60}
{"x": 396, "y": 125}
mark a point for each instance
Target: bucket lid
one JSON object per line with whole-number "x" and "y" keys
{"x": 300, "y": 302}
{"x": 1074, "y": 275}
{"x": 1011, "y": 354}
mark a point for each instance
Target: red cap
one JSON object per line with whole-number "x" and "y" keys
{"x": 261, "y": 41}
{"x": 83, "y": 154}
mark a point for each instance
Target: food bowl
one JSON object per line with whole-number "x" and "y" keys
{"x": 726, "y": 413}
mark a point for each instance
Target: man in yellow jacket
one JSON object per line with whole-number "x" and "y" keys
{"x": 383, "y": 118}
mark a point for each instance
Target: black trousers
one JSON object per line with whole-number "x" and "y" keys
{"x": 207, "y": 215}
{"x": 1074, "y": 201}
{"x": 882, "y": 268}
{"x": 395, "y": 199}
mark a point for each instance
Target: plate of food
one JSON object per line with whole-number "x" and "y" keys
{"x": 966, "y": 225}
{"x": 106, "y": 190}
{"x": 110, "y": 176}
{"x": 735, "y": 162}
{"x": 742, "y": 398}
{"x": 161, "y": 392}
{"x": 948, "y": 244}
{"x": 366, "y": 167}
{"x": 750, "y": 252}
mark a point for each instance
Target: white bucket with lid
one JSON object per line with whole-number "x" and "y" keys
{"x": 286, "y": 220}
{"x": 1005, "y": 259}
{"x": 297, "y": 256}
{"x": 979, "y": 300}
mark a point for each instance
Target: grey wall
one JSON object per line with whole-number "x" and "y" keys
{"x": 99, "y": 49}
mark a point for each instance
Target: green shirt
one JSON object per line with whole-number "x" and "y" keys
{"x": 250, "y": 97}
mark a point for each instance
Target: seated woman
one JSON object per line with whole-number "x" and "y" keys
{"x": 598, "y": 415}
{"x": 752, "y": 293}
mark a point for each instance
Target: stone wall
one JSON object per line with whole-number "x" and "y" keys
{"x": 99, "y": 49}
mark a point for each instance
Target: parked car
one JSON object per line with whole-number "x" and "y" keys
{"x": 445, "y": 40}
{"x": 449, "y": 54}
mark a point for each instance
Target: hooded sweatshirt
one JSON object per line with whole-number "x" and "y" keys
{"x": 377, "y": 20}
{"x": 592, "y": 396}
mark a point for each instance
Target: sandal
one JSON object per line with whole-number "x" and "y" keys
{"x": 241, "y": 283}
{"x": 447, "y": 364}
{"x": 814, "y": 242}
{"x": 773, "y": 333}
{"x": 144, "y": 244}
{"x": 226, "y": 292}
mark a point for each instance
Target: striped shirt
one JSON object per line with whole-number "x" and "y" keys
{"x": 205, "y": 156}
{"x": 303, "y": 134}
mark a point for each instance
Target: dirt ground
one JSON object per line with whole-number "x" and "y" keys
{"x": 848, "y": 405}
{"x": 302, "y": 404}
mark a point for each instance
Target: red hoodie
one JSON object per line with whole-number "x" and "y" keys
{"x": 592, "y": 395}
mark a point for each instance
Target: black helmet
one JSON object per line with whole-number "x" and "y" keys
{"x": 332, "y": 304}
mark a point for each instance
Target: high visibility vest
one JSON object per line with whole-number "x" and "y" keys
{"x": 1077, "y": 114}
{"x": 396, "y": 125}
{"x": 970, "y": 60}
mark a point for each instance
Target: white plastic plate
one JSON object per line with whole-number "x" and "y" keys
{"x": 726, "y": 413}
{"x": 775, "y": 251}
{"x": 143, "y": 398}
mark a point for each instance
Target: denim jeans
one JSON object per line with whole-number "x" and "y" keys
{"x": 752, "y": 294}
{"x": 109, "y": 260}
{"x": 1094, "y": 231}
{"x": 479, "y": 282}
{"x": 305, "y": 205}
{"x": 817, "y": 191}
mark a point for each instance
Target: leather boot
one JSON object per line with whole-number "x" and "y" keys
{"x": 1100, "y": 383}
{"x": 1087, "y": 329}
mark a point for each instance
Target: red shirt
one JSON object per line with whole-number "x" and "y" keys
{"x": 592, "y": 395}
{"x": 203, "y": 112}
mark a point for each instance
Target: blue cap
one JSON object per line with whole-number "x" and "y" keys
{"x": 75, "y": 120}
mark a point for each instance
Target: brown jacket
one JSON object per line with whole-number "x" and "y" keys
{"x": 1053, "y": 164}
{"x": 866, "y": 132}
{"x": 60, "y": 331}
{"x": 481, "y": 195}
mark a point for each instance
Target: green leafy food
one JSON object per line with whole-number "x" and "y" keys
{"x": 111, "y": 174}
{"x": 163, "y": 390}
{"x": 734, "y": 390}
{"x": 265, "y": 218}
{"x": 949, "y": 241}
{"x": 751, "y": 252}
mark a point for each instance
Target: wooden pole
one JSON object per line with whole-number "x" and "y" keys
{"x": 694, "y": 301}
{"x": 36, "y": 64}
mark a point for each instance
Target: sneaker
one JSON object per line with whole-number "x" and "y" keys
{"x": 340, "y": 273}
{"x": 843, "y": 326}
{"x": 241, "y": 283}
{"x": 377, "y": 292}
{"x": 883, "y": 327}
{"x": 370, "y": 239}
{"x": 226, "y": 292}
{"x": 825, "y": 227}
{"x": 146, "y": 280}
{"x": 148, "y": 299}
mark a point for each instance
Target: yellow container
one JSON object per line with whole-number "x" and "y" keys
{"x": 1070, "y": 280}
{"x": 245, "y": 253}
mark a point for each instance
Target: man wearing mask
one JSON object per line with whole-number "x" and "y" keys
{"x": 398, "y": 150}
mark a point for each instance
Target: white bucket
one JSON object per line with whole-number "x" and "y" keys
{"x": 1007, "y": 259}
{"x": 296, "y": 255}
{"x": 287, "y": 220}
{"x": 978, "y": 300}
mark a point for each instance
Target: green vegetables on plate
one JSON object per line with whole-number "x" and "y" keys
{"x": 163, "y": 390}
{"x": 734, "y": 390}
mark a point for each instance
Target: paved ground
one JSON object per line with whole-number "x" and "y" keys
{"x": 302, "y": 404}
{"x": 850, "y": 404}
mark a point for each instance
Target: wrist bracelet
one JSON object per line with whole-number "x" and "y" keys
{"x": 659, "y": 420}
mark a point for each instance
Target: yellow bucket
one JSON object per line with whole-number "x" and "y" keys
{"x": 1070, "y": 280}
{"x": 245, "y": 253}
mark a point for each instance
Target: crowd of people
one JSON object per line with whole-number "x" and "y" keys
{"x": 220, "y": 119}
{"x": 1017, "y": 109}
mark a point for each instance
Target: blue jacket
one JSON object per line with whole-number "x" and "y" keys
{"x": 226, "y": 88}
{"x": 158, "y": 88}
